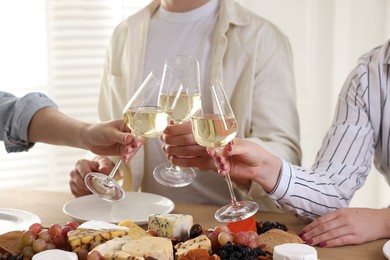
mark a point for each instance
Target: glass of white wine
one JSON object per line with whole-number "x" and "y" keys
{"x": 144, "y": 117}
{"x": 214, "y": 125}
{"x": 185, "y": 69}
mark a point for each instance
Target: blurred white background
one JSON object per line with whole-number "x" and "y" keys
{"x": 57, "y": 47}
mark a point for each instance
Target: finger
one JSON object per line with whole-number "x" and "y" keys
{"x": 318, "y": 221}
{"x": 201, "y": 163}
{"x": 77, "y": 184}
{"x": 187, "y": 150}
{"x": 179, "y": 129}
{"x": 105, "y": 165}
{"x": 184, "y": 139}
{"x": 340, "y": 235}
{"x": 342, "y": 240}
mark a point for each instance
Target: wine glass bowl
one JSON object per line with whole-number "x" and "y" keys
{"x": 145, "y": 117}
{"x": 214, "y": 125}
{"x": 185, "y": 70}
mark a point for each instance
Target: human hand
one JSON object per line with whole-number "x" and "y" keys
{"x": 247, "y": 161}
{"x": 111, "y": 138}
{"x": 82, "y": 168}
{"x": 182, "y": 150}
{"x": 347, "y": 226}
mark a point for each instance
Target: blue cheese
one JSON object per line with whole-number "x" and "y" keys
{"x": 171, "y": 225}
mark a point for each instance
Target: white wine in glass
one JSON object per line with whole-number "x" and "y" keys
{"x": 185, "y": 70}
{"x": 214, "y": 125}
{"x": 144, "y": 117}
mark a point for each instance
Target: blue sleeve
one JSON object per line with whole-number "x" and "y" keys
{"x": 15, "y": 116}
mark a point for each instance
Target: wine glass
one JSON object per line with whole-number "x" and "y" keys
{"x": 214, "y": 125}
{"x": 186, "y": 70}
{"x": 144, "y": 117}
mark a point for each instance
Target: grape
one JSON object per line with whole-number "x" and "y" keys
{"x": 65, "y": 231}
{"x": 28, "y": 252}
{"x": 27, "y": 238}
{"x": 263, "y": 227}
{"x": 50, "y": 246}
{"x": 60, "y": 242}
{"x": 55, "y": 230}
{"x": 253, "y": 244}
{"x": 252, "y": 235}
{"x": 241, "y": 238}
{"x": 82, "y": 254}
{"x": 36, "y": 228}
{"x": 221, "y": 228}
{"x": 214, "y": 239}
{"x": 45, "y": 236}
{"x": 232, "y": 251}
{"x": 225, "y": 237}
{"x": 72, "y": 224}
{"x": 196, "y": 230}
{"x": 94, "y": 255}
{"x": 39, "y": 245}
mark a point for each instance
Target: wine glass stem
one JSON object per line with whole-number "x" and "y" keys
{"x": 230, "y": 186}
{"x": 112, "y": 173}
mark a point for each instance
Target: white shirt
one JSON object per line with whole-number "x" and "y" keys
{"x": 170, "y": 34}
{"x": 360, "y": 130}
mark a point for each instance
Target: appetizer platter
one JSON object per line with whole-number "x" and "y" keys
{"x": 167, "y": 236}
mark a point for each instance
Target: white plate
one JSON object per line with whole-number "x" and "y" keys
{"x": 16, "y": 219}
{"x": 386, "y": 249}
{"x": 136, "y": 206}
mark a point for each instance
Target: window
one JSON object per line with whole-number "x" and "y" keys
{"x": 56, "y": 47}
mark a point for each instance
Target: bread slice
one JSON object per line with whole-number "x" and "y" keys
{"x": 9, "y": 242}
{"x": 274, "y": 237}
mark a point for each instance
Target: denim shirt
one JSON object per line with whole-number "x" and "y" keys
{"x": 15, "y": 116}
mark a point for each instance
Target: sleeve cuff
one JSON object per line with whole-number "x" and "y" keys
{"x": 284, "y": 182}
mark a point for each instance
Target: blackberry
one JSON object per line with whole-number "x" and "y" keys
{"x": 232, "y": 251}
{"x": 264, "y": 226}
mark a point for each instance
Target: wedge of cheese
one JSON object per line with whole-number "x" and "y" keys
{"x": 171, "y": 225}
{"x": 201, "y": 241}
{"x": 84, "y": 238}
{"x": 135, "y": 231}
{"x": 157, "y": 247}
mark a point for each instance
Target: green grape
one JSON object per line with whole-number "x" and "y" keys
{"x": 27, "y": 238}
{"x": 225, "y": 237}
{"x": 39, "y": 245}
{"x": 28, "y": 252}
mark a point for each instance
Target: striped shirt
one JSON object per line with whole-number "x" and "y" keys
{"x": 359, "y": 135}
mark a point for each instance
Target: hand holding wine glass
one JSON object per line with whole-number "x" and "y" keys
{"x": 145, "y": 118}
{"x": 214, "y": 125}
{"x": 184, "y": 69}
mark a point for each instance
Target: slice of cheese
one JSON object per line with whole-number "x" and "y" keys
{"x": 84, "y": 238}
{"x": 171, "y": 225}
{"x": 112, "y": 245}
{"x": 201, "y": 241}
{"x": 120, "y": 255}
{"x": 135, "y": 231}
{"x": 157, "y": 247}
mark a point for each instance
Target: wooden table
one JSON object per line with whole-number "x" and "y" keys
{"x": 48, "y": 206}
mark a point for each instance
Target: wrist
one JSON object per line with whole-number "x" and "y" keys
{"x": 268, "y": 172}
{"x": 84, "y": 136}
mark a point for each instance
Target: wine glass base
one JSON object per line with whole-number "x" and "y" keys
{"x": 104, "y": 187}
{"x": 240, "y": 211}
{"x": 173, "y": 176}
